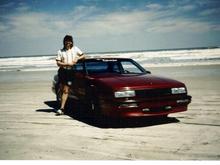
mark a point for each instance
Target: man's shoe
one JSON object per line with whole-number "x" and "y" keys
{"x": 59, "y": 112}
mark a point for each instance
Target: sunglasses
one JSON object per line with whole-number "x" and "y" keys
{"x": 68, "y": 42}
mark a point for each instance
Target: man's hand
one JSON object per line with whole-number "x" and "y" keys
{"x": 72, "y": 63}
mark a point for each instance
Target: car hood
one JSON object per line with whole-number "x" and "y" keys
{"x": 120, "y": 81}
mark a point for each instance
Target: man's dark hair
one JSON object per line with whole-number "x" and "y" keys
{"x": 67, "y": 38}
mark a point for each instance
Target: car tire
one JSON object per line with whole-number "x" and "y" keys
{"x": 94, "y": 106}
{"x": 58, "y": 94}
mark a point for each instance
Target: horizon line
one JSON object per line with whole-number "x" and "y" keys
{"x": 118, "y": 51}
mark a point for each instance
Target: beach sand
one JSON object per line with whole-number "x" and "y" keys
{"x": 30, "y": 130}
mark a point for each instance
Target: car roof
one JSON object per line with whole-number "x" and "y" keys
{"x": 89, "y": 58}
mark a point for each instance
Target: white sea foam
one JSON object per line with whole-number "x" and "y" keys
{"x": 28, "y": 63}
{"x": 145, "y": 58}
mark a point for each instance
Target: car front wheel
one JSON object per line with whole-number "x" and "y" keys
{"x": 58, "y": 94}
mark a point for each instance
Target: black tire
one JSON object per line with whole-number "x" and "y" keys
{"x": 93, "y": 106}
{"x": 58, "y": 94}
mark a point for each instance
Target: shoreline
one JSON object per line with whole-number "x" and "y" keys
{"x": 146, "y": 66}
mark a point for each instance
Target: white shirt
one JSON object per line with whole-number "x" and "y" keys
{"x": 68, "y": 56}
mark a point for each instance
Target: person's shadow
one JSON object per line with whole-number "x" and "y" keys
{"x": 78, "y": 111}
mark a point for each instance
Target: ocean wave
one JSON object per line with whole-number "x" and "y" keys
{"x": 160, "y": 58}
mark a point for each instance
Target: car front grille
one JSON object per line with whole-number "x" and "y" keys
{"x": 153, "y": 92}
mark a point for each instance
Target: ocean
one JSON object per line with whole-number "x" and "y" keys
{"x": 154, "y": 58}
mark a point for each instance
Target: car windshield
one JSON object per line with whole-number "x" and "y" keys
{"x": 113, "y": 66}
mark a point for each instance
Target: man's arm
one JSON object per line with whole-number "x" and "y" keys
{"x": 63, "y": 64}
{"x": 82, "y": 56}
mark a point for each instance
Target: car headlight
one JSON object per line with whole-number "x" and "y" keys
{"x": 178, "y": 90}
{"x": 128, "y": 93}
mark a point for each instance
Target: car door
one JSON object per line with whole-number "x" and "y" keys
{"x": 79, "y": 83}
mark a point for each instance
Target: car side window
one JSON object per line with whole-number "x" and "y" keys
{"x": 113, "y": 67}
{"x": 129, "y": 67}
{"x": 96, "y": 66}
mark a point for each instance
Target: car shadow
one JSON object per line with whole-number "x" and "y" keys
{"x": 77, "y": 111}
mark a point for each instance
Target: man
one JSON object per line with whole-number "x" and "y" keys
{"x": 66, "y": 58}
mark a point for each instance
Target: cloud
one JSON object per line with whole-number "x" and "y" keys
{"x": 24, "y": 23}
{"x": 91, "y": 21}
{"x": 31, "y": 31}
{"x": 7, "y": 5}
{"x": 115, "y": 23}
{"x": 3, "y": 28}
{"x": 131, "y": 22}
{"x": 22, "y": 7}
{"x": 179, "y": 25}
{"x": 188, "y": 7}
{"x": 154, "y": 6}
{"x": 27, "y": 25}
{"x": 209, "y": 12}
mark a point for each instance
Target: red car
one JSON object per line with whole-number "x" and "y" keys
{"x": 120, "y": 87}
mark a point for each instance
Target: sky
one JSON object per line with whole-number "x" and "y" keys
{"x": 37, "y": 27}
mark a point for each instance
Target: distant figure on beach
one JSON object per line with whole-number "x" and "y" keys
{"x": 66, "y": 58}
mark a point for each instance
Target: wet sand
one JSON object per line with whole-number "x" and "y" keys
{"x": 30, "y": 130}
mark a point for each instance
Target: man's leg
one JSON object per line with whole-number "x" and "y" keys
{"x": 64, "y": 97}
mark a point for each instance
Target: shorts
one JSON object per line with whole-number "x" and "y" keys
{"x": 65, "y": 76}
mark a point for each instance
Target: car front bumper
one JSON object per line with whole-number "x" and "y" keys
{"x": 141, "y": 108}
